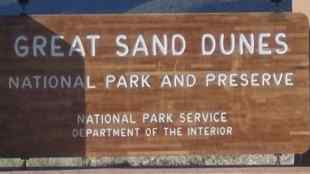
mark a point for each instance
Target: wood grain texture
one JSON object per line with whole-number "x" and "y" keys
{"x": 39, "y": 122}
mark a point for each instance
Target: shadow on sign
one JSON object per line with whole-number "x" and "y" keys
{"x": 37, "y": 108}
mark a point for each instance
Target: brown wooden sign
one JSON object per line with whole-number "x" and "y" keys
{"x": 154, "y": 84}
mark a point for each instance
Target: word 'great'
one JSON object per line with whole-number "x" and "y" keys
{"x": 154, "y": 45}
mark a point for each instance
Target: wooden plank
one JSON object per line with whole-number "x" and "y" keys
{"x": 43, "y": 99}
{"x": 266, "y": 170}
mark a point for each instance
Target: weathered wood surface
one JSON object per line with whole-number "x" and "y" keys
{"x": 280, "y": 170}
{"x": 39, "y": 122}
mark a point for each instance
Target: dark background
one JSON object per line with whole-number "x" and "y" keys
{"x": 11, "y": 7}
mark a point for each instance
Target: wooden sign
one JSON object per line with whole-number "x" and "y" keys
{"x": 154, "y": 84}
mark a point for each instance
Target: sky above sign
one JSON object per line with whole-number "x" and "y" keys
{"x": 11, "y": 7}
